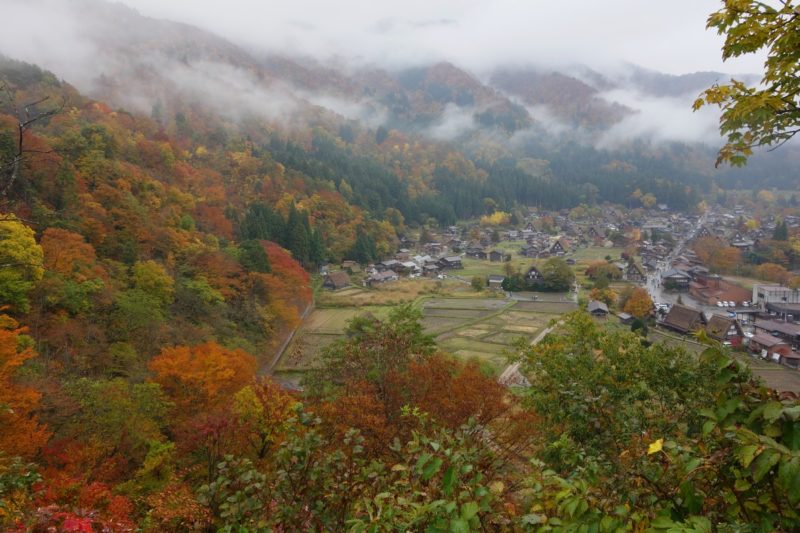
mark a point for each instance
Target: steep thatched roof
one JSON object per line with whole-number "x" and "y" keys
{"x": 684, "y": 319}
{"x": 719, "y": 326}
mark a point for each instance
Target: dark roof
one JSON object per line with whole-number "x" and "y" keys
{"x": 766, "y": 340}
{"x": 718, "y": 327}
{"x": 452, "y": 258}
{"x": 637, "y": 268}
{"x": 595, "y": 306}
{"x": 675, "y": 273}
{"x": 786, "y": 328}
{"x": 684, "y": 319}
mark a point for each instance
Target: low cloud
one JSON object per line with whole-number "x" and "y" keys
{"x": 660, "y": 119}
{"x": 454, "y": 122}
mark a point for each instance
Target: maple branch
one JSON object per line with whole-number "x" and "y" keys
{"x": 26, "y": 119}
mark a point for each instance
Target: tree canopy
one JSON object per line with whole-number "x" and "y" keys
{"x": 766, "y": 114}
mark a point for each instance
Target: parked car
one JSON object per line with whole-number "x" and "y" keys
{"x": 719, "y": 304}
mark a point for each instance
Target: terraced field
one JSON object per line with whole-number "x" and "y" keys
{"x": 485, "y": 329}
{"x": 469, "y": 327}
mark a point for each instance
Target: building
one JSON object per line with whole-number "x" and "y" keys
{"x": 635, "y": 273}
{"x": 476, "y": 252}
{"x": 351, "y": 266}
{"x": 684, "y": 319}
{"x": 625, "y": 318}
{"x": 336, "y": 280}
{"x": 496, "y": 281}
{"x": 769, "y": 347}
{"x": 676, "y": 279}
{"x": 496, "y": 256}
{"x": 533, "y": 274}
{"x": 597, "y": 309}
{"x": 782, "y": 301}
{"x": 783, "y": 330}
{"x": 450, "y": 262}
{"x": 379, "y": 278}
{"x": 725, "y": 329}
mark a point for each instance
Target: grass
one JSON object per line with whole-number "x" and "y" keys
{"x": 468, "y": 324}
{"x": 334, "y": 321}
{"x": 401, "y": 291}
{"x": 595, "y": 253}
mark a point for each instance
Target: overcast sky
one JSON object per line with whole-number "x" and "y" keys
{"x": 665, "y": 36}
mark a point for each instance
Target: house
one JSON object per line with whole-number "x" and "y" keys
{"x": 408, "y": 267}
{"x": 533, "y": 274}
{"x": 725, "y": 329}
{"x": 430, "y": 270}
{"x": 496, "y": 281}
{"x": 596, "y": 233}
{"x": 769, "y": 347}
{"x": 391, "y": 264}
{"x": 635, "y": 273}
{"x": 351, "y": 266}
{"x": 455, "y": 245}
{"x": 434, "y": 248}
{"x": 559, "y": 247}
{"x": 792, "y": 360}
{"x": 402, "y": 255}
{"x": 783, "y": 330}
{"x": 676, "y": 279}
{"x": 496, "y": 256}
{"x": 704, "y": 232}
{"x": 476, "y": 252}
{"x": 684, "y": 319}
{"x": 381, "y": 277}
{"x": 450, "y": 262}
{"x": 529, "y": 250}
{"x": 336, "y": 280}
{"x": 597, "y": 309}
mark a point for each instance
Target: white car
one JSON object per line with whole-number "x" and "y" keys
{"x": 731, "y": 304}
{"x": 719, "y": 304}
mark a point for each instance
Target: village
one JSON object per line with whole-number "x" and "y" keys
{"x": 470, "y": 265}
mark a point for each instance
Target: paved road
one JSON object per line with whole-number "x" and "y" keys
{"x": 653, "y": 283}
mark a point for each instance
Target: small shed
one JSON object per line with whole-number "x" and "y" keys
{"x": 496, "y": 281}
{"x": 597, "y": 308}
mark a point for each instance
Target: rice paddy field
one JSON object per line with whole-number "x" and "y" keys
{"x": 478, "y": 327}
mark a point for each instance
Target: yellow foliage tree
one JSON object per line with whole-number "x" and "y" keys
{"x": 498, "y": 218}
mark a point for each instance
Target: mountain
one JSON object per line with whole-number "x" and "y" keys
{"x": 426, "y": 131}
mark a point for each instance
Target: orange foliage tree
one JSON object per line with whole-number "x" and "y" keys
{"x": 716, "y": 254}
{"x": 639, "y": 304}
{"x": 20, "y": 432}
{"x": 203, "y": 376}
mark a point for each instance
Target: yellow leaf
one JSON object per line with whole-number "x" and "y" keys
{"x": 655, "y": 447}
{"x": 497, "y": 487}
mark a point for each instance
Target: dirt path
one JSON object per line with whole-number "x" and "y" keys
{"x": 279, "y": 353}
{"x": 511, "y": 376}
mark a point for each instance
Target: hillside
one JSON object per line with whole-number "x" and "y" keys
{"x": 632, "y": 119}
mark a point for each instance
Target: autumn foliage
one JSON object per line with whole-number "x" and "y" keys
{"x": 20, "y": 431}
{"x": 201, "y": 377}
